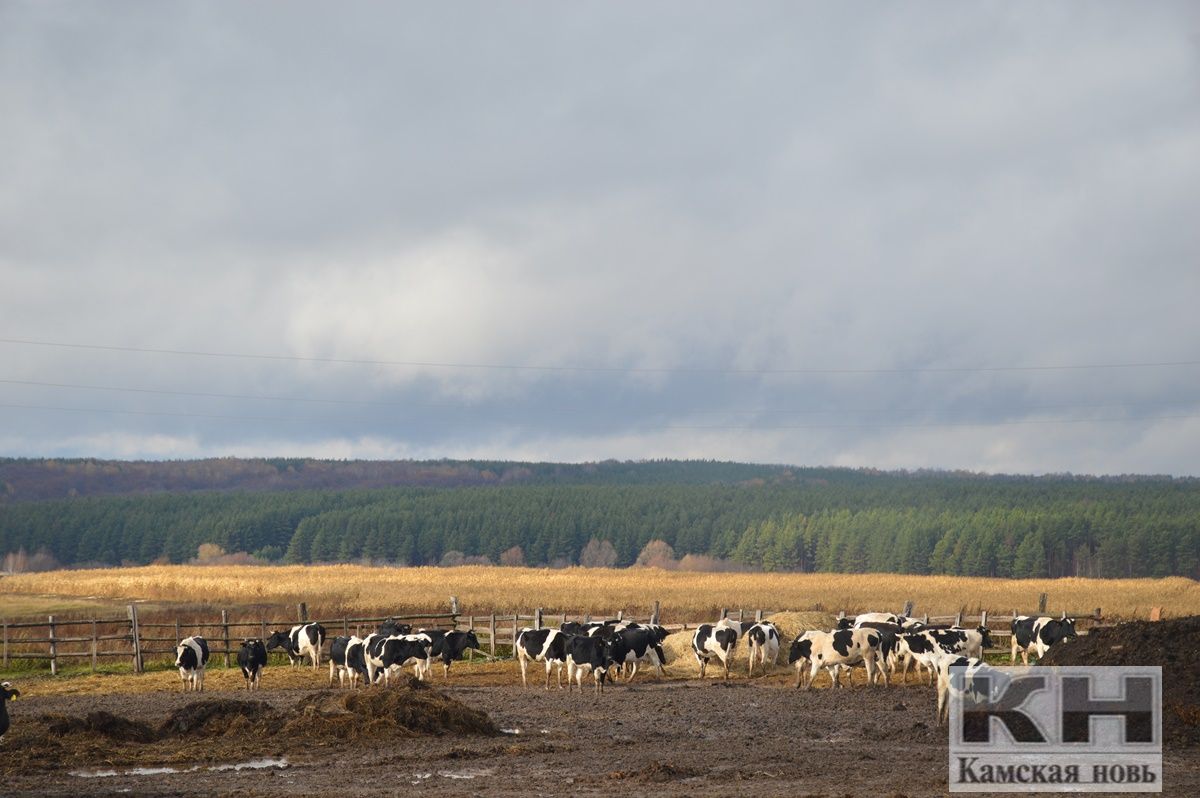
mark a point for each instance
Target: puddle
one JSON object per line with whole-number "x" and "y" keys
{"x": 253, "y": 764}
{"x": 510, "y": 731}
{"x": 466, "y": 774}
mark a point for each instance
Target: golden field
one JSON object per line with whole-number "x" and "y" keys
{"x": 333, "y": 590}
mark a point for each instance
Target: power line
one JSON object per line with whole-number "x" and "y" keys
{"x": 449, "y": 405}
{"x": 601, "y": 369}
{"x": 309, "y": 420}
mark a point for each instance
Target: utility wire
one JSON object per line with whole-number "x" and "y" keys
{"x": 1115, "y": 419}
{"x": 601, "y": 369}
{"x": 451, "y": 405}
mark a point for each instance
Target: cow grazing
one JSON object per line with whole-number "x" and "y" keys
{"x": 303, "y": 640}
{"x": 588, "y": 655}
{"x": 714, "y": 641}
{"x": 763, "y": 639}
{"x": 383, "y": 654}
{"x": 347, "y": 658}
{"x": 1038, "y": 634}
{"x": 542, "y": 645}
{"x": 191, "y": 657}
{"x": 841, "y": 648}
{"x": 635, "y": 645}
{"x": 252, "y": 658}
{"x": 450, "y": 647}
{"x": 7, "y": 693}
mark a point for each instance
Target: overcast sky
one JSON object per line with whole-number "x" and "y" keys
{"x": 828, "y": 234}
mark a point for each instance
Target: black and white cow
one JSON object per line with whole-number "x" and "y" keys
{"x": 877, "y": 617}
{"x": 303, "y": 640}
{"x": 386, "y": 653}
{"x": 542, "y": 645}
{"x": 948, "y": 681}
{"x": 1038, "y": 634}
{"x": 347, "y": 658}
{"x": 634, "y": 645}
{"x": 834, "y": 651}
{"x": 450, "y": 647}
{"x": 191, "y": 657}
{"x": 714, "y": 641}
{"x": 763, "y": 640}
{"x": 252, "y": 658}
{"x": 588, "y": 655}
{"x": 7, "y": 693}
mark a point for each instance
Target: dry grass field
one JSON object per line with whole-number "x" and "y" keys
{"x": 333, "y": 590}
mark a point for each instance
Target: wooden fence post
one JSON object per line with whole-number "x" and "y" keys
{"x": 302, "y": 612}
{"x": 1042, "y": 603}
{"x": 137, "y": 638}
{"x": 225, "y": 634}
{"x": 983, "y": 618}
{"x": 620, "y": 615}
{"x": 564, "y": 618}
{"x": 53, "y": 649}
{"x": 6, "y": 643}
{"x": 654, "y": 614}
{"x": 758, "y": 616}
{"x": 454, "y": 605}
{"x": 346, "y": 626}
{"x": 926, "y": 621}
{"x": 958, "y": 618}
{"x": 95, "y": 644}
{"x": 177, "y": 633}
{"x": 537, "y": 618}
{"x": 841, "y": 614}
{"x": 908, "y": 608}
{"x": 515, "y": 633}
{"x": 492, "y": 635}
{"x": 724, "y": 613}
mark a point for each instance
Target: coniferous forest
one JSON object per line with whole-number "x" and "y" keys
{"x": 775, "y": 518}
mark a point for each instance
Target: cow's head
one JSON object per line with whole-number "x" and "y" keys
{"x": 986, "y": 635}
{"x": 391, "y": 627}
{"x": 252, "y": 643}
{"x": 801, "y": 649}
{"x": 845, "y": 623}
{"x": 279, "y": 640}
{"x": 8, "y": 692}
{"x": 1068, "y": 628}
{"x": 185, "y": 657}
{"x": 470, "y": 640}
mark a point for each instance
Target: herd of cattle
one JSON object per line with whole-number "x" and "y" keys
{"x": 883, "y": 644}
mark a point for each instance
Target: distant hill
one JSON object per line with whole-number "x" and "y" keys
{"x": 24, "y": 479}
{"x": 690, "y": 514}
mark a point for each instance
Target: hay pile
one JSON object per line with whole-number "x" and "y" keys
{"x": 678, "y": 646}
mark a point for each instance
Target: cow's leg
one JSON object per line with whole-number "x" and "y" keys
{"x": 1013, "y": 640}
{"x": 524, "y": 663}
{"x": 549, "y": 665}
{"x": 703, "y": 664}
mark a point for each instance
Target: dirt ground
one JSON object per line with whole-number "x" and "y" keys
{"x": 670, "y": 736}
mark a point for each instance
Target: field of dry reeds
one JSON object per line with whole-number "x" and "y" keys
{"x": 332, "y": 590}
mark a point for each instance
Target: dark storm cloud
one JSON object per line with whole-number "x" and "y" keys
{"x": 651, "y": 187}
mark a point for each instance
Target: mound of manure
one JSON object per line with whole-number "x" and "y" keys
{"x": 105, "y": 724}
{"x": 214, "y": 716}
{"x": 1170, "y": 644}
{"x": 411, "y": 709}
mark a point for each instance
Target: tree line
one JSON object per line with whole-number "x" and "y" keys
{"x": 777, "y": 519}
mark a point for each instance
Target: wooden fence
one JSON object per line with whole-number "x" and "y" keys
{"x": 135, "y": 640}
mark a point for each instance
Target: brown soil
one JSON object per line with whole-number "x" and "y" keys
{"x": 1173, "y": 645}
{"x": 656, "y": 736}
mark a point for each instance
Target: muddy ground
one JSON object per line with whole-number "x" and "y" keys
{"x": 661, "y": 737}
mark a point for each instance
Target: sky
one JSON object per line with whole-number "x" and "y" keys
{"x": 925, "y": 235}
